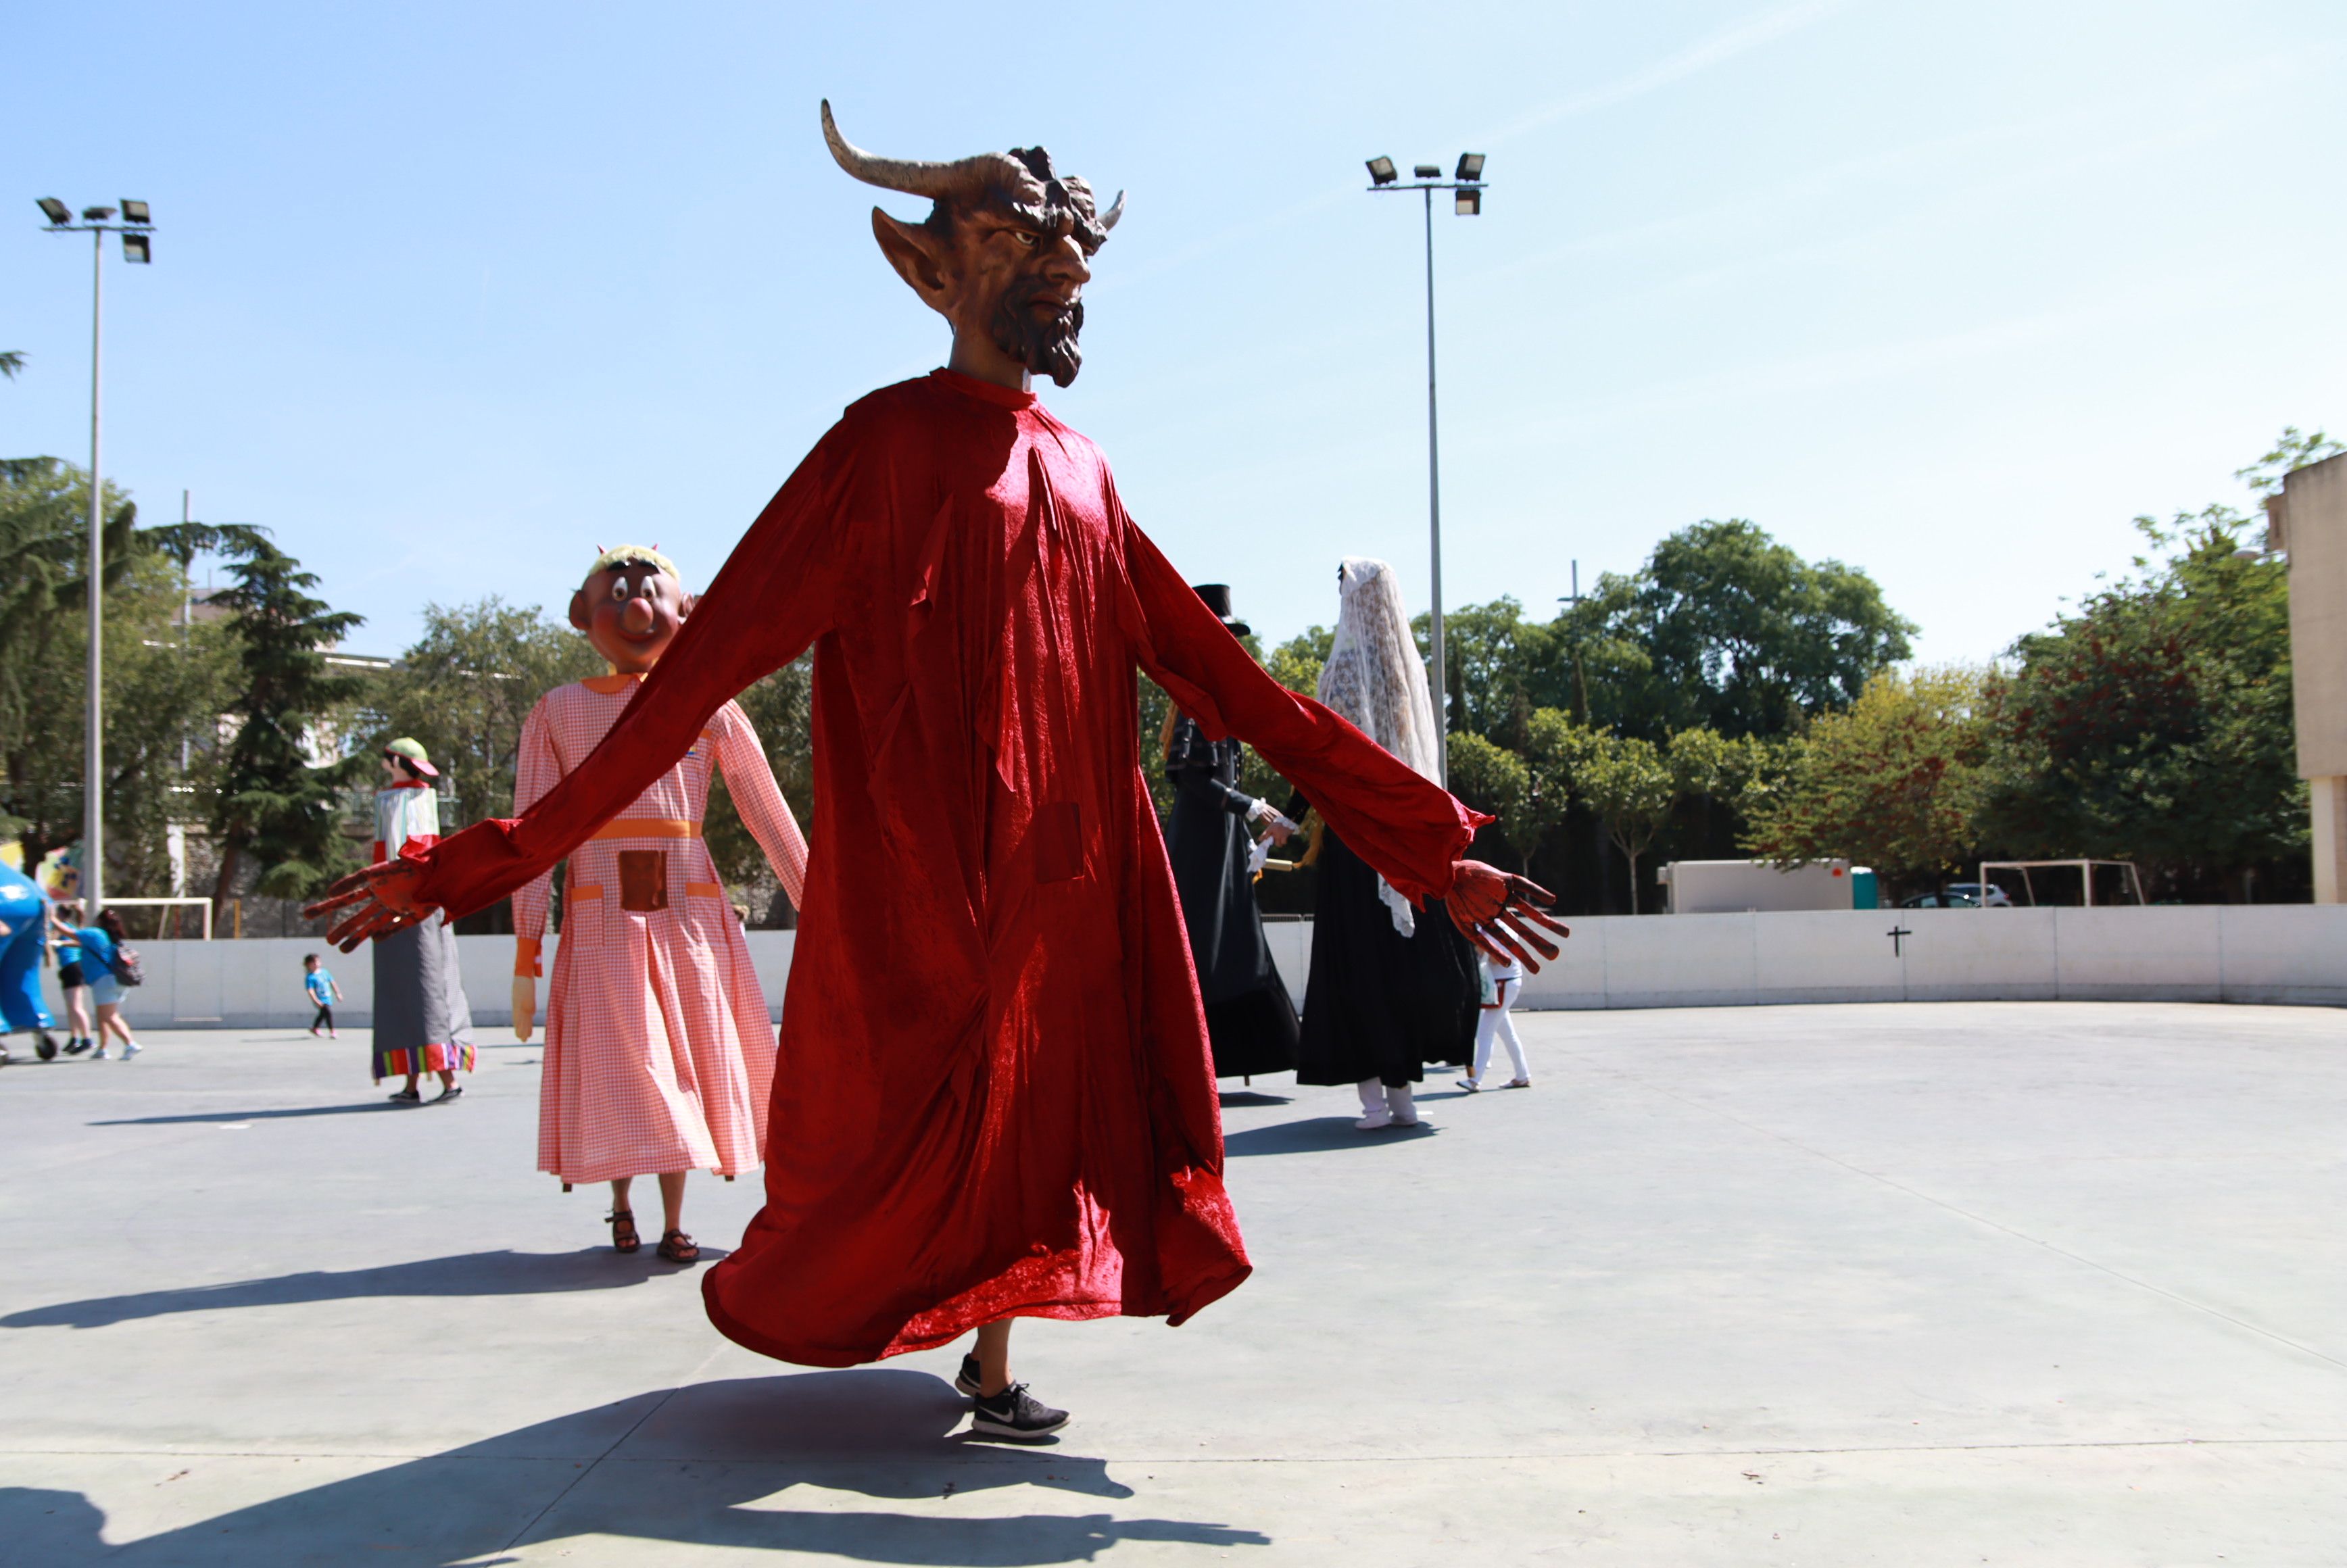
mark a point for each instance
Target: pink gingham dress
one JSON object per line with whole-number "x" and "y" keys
{"x": 659, "y": 1053}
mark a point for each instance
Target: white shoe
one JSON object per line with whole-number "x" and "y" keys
{"x": 1398, "y": 1109}
{"x": 99, "y": 1055}
{"x": 133, "y": 1049}
{"x": 1381, "y": 1117}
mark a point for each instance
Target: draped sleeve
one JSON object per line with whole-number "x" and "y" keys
{"x": 750, "y": 779}
{"x": 775, "y": 595}
{"x": 537, "y": 769}
{"x": 1408, "y": 829}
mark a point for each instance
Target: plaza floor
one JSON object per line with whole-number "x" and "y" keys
{"x": 2058, "y": 1283}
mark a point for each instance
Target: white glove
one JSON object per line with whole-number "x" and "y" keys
{"x": 1260, "y": 811}
{"x": 1257, "y": 856}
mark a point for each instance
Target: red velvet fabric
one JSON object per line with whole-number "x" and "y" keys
{"x": 994, "y": 1096}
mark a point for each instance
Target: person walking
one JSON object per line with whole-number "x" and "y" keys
{"x": 1390, "y": 988}
{"x": 80, "y": 1036}
{"x": 104, "y": 957}
{"x": 1503, "y": 982}
{"x": 658, "y": 1058}
{"x": 319, "y": 982}
{"x": 423, "y": 1022}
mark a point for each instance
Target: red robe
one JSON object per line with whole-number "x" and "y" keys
{"x": 994, "y": 1095}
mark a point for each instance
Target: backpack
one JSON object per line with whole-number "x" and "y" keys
{"x": 126, "y": 967}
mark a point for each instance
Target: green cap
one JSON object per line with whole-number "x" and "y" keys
{"x": 413, "y": 750}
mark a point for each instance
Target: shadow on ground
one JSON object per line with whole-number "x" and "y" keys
{"x": 1310, "y": 1137}
{"x": 705, "y": 1465}
{"x": 503, "y": 1273}
{"x": 369, "y": 1107}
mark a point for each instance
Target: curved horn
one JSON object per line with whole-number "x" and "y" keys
{"x": 1115, "y": 210}
{"x": 910, "y": 176}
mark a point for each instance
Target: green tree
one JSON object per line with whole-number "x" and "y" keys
{"x": 1628, "y": 782}
{"x": 2154, "y": 724}
{"x": 11, "y": 365}
{"x": 1726, "y": 628}
{"x": 277, "y": 805}
{"x": 465, "y": 688}
{"x": 1501, "y": 668}
{"x": 1894, "y": 783}
{"x": 1495, "y": 780}
{"x": 1296, "y": 663}
{"x": 44, "y": 640}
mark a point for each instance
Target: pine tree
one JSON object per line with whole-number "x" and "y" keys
{"x": 276, "y": 805}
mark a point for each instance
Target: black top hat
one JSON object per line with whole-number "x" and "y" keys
{"x": 1217, "y": 596}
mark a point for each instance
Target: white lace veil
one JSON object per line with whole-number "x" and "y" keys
{"x": 1375, "y": 678}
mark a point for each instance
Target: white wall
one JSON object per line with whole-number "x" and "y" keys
{"x": 2261, "y": 953}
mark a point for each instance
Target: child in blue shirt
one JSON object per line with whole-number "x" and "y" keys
{"x": 320, "y": 983}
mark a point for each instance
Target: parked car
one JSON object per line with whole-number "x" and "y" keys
{"x": 1939, "y": 901}
{"x": 1993, "y": 896}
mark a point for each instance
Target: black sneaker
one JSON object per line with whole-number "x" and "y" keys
{"x": 967, "y": 1381}
{"x": 407, "y": 1097}
{"x": 448, "y": 1094}
{"x": 1016, "y": 1414}
{"x": 75, "y": 1047}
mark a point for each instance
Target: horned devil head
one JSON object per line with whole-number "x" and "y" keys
{"x": 1004, "y": 252}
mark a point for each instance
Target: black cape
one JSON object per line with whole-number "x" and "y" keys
{"x": 1249, "y": 1015}
{"x": 1380, "y": 1004}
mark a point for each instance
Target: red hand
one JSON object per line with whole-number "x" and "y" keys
{"x": 1497, "y": 911}
{"x": 372, "y": 903}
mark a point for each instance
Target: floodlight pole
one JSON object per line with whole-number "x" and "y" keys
{"x": 96, "y": 224}
{"x": 1440, "y": 680}
{"x": 93, "y": 789}
{"x": 1434, "y": 522}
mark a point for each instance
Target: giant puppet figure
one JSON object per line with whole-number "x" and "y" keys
{"x": 658, "y": 1056}
{"x": 995, "y": 1099}
{"x": 423, "y": 1022}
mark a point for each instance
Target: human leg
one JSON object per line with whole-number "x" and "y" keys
{"x": 1398, "y": 1105}
{"x": 1003, "y": 1408}
{"x": 675, "y": 1245}
{"x": 1506, "y": 1029}
{"x": 622, "y": 1219}
{"x": 1374, "y": 1114}
{"x": 1486, "y": 1025}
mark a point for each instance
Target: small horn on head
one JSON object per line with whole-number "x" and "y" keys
{"x": 914, "y": 178}
{"x": 1115, "y": 210}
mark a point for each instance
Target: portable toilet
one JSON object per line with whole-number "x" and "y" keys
{"x": 1864, "y": 892}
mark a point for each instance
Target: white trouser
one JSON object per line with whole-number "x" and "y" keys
{"x": 1495, "y": 1021}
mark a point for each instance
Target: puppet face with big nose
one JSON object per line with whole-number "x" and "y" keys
{"x": 630, "y": 612}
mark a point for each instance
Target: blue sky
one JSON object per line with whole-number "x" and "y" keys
{"x": 448, "y": 295}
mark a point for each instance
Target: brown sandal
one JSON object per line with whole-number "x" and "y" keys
{"x": 623, "y": 1230}
{"x": 678, "y": 1247}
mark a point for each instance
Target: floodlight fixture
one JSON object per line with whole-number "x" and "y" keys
{"x": 1381, "y": 171}
{"x": 1426, "y": 171}
{"x": 1469, "y": 203}
{"x": 135, "y": 212}
{"x": 54, "y": 210}
{"x": 136, "y": 248}
{"x": 95, "y": 214}
{"x": 1471, "y": 166}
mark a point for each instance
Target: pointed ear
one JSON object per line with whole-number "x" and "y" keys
{"x": 916, "y": 254}
{"x": 684, "y": 611}
{"x": 579, "y": 619}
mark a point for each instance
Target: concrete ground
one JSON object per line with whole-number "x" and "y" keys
{"x": 2027, "y": 1283}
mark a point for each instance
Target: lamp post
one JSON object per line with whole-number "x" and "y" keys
{"x": 138, "y": 246}
{"x": 1467, "y": 184}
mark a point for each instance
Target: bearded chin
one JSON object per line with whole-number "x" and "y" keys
{"x": 1046, "y": 345}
